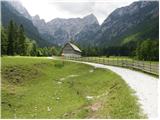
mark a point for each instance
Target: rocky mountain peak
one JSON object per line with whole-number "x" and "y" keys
{"x": 63, "y": 29}
{"x": 137, "y": 8}
{"x": 36, "y": 17}
{"x": 91, "y": 18}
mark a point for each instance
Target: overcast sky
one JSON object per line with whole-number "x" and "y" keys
{"x": 50, "y": 9}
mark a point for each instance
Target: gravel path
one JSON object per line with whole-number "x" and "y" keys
{"x": 146, "y": 87}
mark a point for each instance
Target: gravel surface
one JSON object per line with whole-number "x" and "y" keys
{"x": 145, "y": 86}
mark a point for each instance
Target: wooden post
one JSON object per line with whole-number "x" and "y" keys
{"x": 150, "y": 66}
{"x": 108, "y": 61}
{"x": 143, "y": 65}
{"x": 133, "y": 63}
{"x": 103, "y": 60}
{"x": 126, "y": 61}
{"x": 63, "y": 60}
{"x": 112, "y": 61}
{"x": 122, "y": 62}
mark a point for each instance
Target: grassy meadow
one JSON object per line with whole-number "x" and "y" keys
{"x": 45, "y": 88}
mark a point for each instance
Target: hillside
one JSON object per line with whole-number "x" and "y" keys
{"x": 138, "y": 21}
{"x": 10, "y": 13}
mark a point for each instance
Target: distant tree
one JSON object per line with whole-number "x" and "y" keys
{"x": 4, "y": 41}
{"x": 21, "y": 39}
{"x": 148, "y": 50}
{"x": 29, "y": 47}
{"x": 34, "y": 49}
{"x": 45, "y": 51}
{"x": 155, "y": 51}
{"x": 16, "y": 39}
{"x": 11, "y": 38}
{"x": 39, "y": 52}
{"x": 53, "y": 51}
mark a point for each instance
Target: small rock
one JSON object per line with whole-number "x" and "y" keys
{"x": 48, "y": 109}
{"x": 35, "y": 108}
{"x": 89, "y": 97}
{"x": 62, "y": 79}
{"x": 57, "y": 98}
{"x": 91, "y": 71}
{"x": 59, "y": 82}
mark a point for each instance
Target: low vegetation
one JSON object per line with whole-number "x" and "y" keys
{"x": 46, "y": 88}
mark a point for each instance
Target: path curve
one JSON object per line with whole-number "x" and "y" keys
{"x": 145, "y": 86}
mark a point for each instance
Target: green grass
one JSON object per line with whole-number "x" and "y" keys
{"x": 44, "y": 88}
{"x": 129, "y": 38}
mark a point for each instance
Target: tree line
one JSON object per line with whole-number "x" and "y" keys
{"x": 15, "y": 42}
{"x": 142, "y": 50}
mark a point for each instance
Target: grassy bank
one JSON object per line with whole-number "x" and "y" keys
{"x": 43, "y": 88}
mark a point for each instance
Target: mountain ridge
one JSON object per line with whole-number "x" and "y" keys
{"x": 135, "y": 22}
{"x": 63, "y": 29}
{"x": 126, "y": 21}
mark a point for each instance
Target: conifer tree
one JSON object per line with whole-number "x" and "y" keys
{"x": 21, "y": 39}
{"x": 16, "y": 39}
{"x": 10, "y": 49}
{"x": 4, "y": 42}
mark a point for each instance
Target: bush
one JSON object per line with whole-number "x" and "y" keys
{"x": 148, "y": 50}
{"x": 59, "y": 64}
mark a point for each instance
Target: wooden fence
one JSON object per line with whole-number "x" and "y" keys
{"x": 145, "y": 66}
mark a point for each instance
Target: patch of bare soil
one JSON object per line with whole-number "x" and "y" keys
{"x": 96, "y": 106}
{"x": 18, "y": 74}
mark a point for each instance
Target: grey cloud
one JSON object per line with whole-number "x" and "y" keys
{"x": 100, "y": 9}
{"x": 76, "y": 8}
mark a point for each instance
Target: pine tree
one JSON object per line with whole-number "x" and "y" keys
{"x": 21, "y": 39}
{"x": 10, "y": 49}
{"x": 16, "y": 39}
{"x": 34, "y": 49}
{"x": 4, "y": 42}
